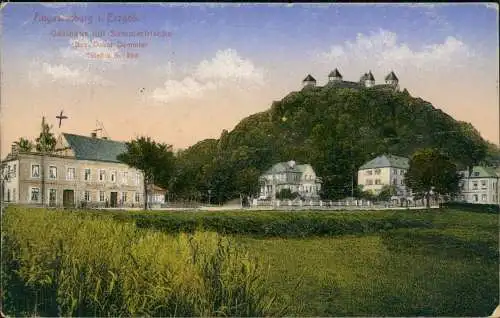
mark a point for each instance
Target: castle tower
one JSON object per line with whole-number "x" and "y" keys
{"x": 334, "y": 76}
{"x": 369, "y": 79}
{"x": 309, "y": 81}
{"x": 392, "y": 79}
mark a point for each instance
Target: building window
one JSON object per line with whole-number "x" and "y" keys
{"x": 137, "y": 197}
{"x": 395, "y": 171}
{"x": 369, "y": 182}
{"x": 35, "y": 171}
{"x": 475, "y": 196}
{"x": 52, "y": 172}
{"x": 86, "y": 176}
{"x": 402, "y": 182}
{"x": 137, "y": 179}
{"x": 377, "y": 171}
{"x": 401, "y": 172}
{"x": 484, "y": 197}
{"x": 14, "y": 198}
{"x": 368, "y": 172}
{"x": 124, "y": 197}
{"x": 474, "y": 185}
{"x": 394, "y": 181}
{"x": 377, "y": 181}
{"x": 35, "y": 194}
{"x": 102, "y": 175}
{"x": 70, "y": 174}
{"x": 125, "y": 177}
{"x": 52, "y": 195}
{"x": 483, "y": 183}
{"x": 476, "y": 174}
{"x": 12, "y": 173}
{"x": 101, "y": 196}
{"x": 86, "y": 196}
{"x": 113, "y": 176}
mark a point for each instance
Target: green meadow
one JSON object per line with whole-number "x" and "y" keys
{"x": 129, "y": 263}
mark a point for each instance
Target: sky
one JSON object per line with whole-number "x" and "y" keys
{"x": 181, "y": 73}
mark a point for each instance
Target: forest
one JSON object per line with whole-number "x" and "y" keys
{"x": 336, "y": 130}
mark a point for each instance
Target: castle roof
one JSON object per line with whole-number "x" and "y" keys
{"x": 370, "y": 76}
{"x": 363, "y": 77}
{"x": 391, "y": 77}
{"x": 335, "y": 73}
{"x": 309, "y": 78}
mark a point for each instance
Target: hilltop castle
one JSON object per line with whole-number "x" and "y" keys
{"x": 367, "y": 80}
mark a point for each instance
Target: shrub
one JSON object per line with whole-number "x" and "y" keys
{"x": 471, "y": 207}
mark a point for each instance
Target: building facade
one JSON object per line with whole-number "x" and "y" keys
{"x": 385, "y": 170}
{"x": 83, "y": 171}
{"x": 480, "y": 186}
{"x": 300, "y": 179}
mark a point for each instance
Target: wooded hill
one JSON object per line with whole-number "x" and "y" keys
{"x": 334, "y": 129}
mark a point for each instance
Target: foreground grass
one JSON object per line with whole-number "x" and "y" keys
{"x": 60, "y": 264}
{"x": 384, "y": 263}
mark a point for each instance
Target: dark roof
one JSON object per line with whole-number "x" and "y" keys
{"x": 370, "y": 76}
{"x": 363, "y": 77}
{"x": 96, "y": 149}
{"x": 309, "y": 78}
{"x": 335, "y": 73}
{"x": 345, "y": 84}
{"x": 391, "y": 77}
{"x": 482, "y": 172}
{"x": 386, "y": 161}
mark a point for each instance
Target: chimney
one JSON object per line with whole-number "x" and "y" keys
{"x": 93, "y": 135}
{"x": 14, "y": 149}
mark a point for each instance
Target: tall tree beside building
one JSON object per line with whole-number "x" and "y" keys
{"x": 154, "y": 160}
{"x": 431, "y": 171}
{"x": 46, "y": 142}
{"x": 24, "y": 144}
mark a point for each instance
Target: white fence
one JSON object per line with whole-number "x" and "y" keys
{"x": 329, "y": 204}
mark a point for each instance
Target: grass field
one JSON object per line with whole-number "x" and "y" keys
{"x": 383, "y": 263}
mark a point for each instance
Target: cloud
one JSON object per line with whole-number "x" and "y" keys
{"x": 383, "y": 49}
{"x": 226, "y": 68}
{"x": 41, "y": 71}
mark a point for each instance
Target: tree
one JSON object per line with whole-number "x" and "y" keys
{"x": 46, "y": 142}
{"x": 386, "y": 192}
{"x": 430, "y": 172}
{"x": 155, "y": 160}
{"x": 24, "y": 144}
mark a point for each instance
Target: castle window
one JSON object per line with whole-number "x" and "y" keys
{"x": 377, "y": 171}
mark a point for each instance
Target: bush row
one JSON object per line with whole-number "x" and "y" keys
{"x": 277, "y": 224}
{"x": 64, "y": 264}
{"x": 471, "y": 207}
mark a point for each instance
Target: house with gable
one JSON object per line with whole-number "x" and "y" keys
{"x": 82, "y": 171}
{"x": 385, "y": 170}
{"x": 298, "y": 178}
{"x": 481, "y": 186}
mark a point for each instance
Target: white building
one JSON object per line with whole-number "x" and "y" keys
{"x": 299, "y": 179}
{"x": 82, "y": 171}
{"x": 480, "y": 186}
{"x": 385, "y": 170}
